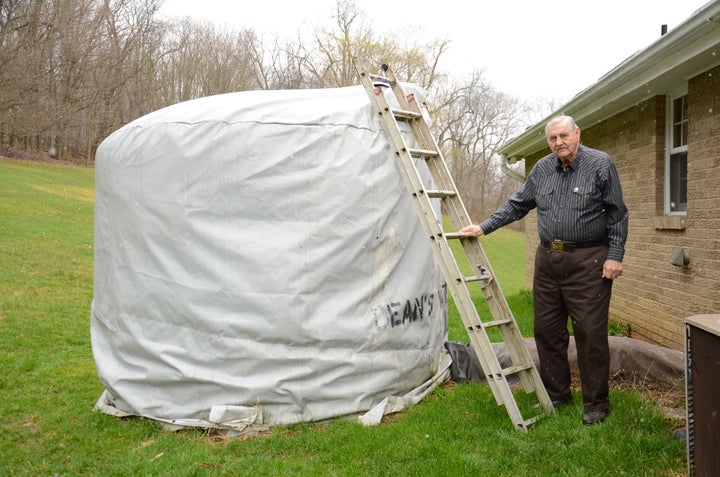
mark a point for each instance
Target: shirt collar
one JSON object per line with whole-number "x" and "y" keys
{"x": 575, "y": 163}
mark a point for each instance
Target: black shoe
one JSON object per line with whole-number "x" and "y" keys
{"x": 594, "y": 417}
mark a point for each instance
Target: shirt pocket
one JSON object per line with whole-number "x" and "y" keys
{"x": 585, "y": 194}
{"x": 544, "y": 197}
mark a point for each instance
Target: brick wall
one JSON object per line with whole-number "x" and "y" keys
{"x": 654, "y": 296}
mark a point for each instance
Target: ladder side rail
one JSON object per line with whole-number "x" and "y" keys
{"x": 492, "y": 291}
{"x": 443, "y": 179}
{"x": 455, "y": 207}
{"x": 457, "y": 211}
{"x": 509, "y": 329}
{"x": 439, "y": 170}
{"x": 499, "y": 309}
{"x": 451, "y": 271}
{"x": 460, "y": 217}
{"x": 437, "y": 165}
{"x": 523, "y": 365}
{"x": 433, "y": 228}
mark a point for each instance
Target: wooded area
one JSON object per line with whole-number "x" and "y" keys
{"x": 73, "y": 71}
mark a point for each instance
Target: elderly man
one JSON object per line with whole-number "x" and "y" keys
{"x": 583, "y": 226}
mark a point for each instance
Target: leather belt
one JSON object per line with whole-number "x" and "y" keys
{"x": 560, "y": 246}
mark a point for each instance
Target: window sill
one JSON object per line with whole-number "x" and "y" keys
{"x": 671, "y": 222}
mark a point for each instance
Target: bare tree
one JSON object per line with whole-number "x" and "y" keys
{"x": 474, "y": 120}
{"x": 201, "y": 59}
{"x": 327, "y": 61}
{"x": 67, "y": 64}
{"x": 72, "y": 71}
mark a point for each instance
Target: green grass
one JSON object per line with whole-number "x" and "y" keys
{"x": 48, "y": 384}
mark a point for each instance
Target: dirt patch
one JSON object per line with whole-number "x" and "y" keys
{"x": 668, "y": 398}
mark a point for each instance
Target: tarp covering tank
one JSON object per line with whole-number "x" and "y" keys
{"x": 258, "y": 259}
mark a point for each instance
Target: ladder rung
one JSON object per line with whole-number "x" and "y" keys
{"x": 423, "y": 153}
{"x": 516, "y": 369}
{"x": 484, "y": 281}
{"x": 454, "y": 236}
{"x": 484, "y": 276}
{"x": 405, "y": 114}
{"x": 529, "y": 422}
{"x": 489, "y": 324}
{"x": 441, "y": 194}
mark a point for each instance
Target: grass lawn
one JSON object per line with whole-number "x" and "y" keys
{"x": 48, "y": 383}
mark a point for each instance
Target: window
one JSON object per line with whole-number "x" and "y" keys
{"x": 676, "y": 162}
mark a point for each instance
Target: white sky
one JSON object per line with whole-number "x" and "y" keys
{"x": 528, "y": 48}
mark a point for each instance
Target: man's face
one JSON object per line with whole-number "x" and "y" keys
{"x": 563, "y": 141}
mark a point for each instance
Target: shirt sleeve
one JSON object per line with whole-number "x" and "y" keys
{"x": 617, "y": 215}
{"x": 515, "y": 208}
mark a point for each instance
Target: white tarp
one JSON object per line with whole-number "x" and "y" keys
{"x": 257, "y": 256}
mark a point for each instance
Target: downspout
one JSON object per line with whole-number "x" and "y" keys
{"x": 509, "y": 172}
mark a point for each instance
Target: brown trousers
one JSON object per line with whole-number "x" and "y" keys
{"x": 571, "y": 284}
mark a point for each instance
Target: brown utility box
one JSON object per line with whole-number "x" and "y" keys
{"x": 702, "y": 378}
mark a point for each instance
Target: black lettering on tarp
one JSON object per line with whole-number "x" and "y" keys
{"x": 442, "y": 294}
{"x": 420, "y": 306}
{"x": 393, "y": 312}
{"x": 406, "y": 313}
{"x": 410, "y": 312}
{"x": 387, "y": 315}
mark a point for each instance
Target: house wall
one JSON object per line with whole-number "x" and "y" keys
{"x": 653, "y": 296}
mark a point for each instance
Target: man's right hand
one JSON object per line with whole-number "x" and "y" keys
{"x": 471, "y": 231}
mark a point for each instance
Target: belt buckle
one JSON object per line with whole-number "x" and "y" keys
{"x": 557, "y": 246}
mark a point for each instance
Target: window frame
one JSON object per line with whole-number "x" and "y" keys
{"x": 670, "y": 150}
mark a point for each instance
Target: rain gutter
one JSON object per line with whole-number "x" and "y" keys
{"x": 690, "y": 49}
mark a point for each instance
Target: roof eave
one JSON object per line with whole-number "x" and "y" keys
{"x": 684, "y": 52}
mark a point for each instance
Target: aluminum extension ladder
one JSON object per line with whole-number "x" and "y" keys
{"x": 502, "y": 318}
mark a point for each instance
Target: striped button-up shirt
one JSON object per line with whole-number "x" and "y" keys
{"x": 581, "y": 203}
